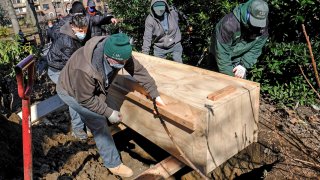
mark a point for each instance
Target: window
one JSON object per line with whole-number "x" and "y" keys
{"x": 45, "y": 6}
{"x": 19, "y": 10}
{"x": 58, "y": 5}
{"x": 16, "y": 1}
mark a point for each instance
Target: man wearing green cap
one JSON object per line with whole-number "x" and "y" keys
{"x": 239, "y": 38}
{"x": 162, "y": 23}
{"x": 83, "y": 85}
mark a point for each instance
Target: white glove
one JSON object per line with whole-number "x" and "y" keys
{"x": 114, "y": 21}
{"x": 159, "y": 101}
{"x": 239, "y": 71}
{"x": 115, "y": 117}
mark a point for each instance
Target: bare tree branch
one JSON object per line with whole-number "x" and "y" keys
{"x": 314, "y": 64}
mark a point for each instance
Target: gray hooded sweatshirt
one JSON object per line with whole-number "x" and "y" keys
{"x": 153, "y": 28}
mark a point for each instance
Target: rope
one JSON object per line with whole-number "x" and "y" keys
{"x": 175, "y": 144}
{"x": 210, "y": 112}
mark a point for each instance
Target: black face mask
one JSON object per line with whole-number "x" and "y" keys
{"x": 250, "y": 32}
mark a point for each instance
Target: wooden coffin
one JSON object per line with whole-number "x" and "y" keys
{"x": 211, "y": 116}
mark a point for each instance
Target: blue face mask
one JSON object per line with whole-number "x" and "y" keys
{"x": 91, "y": 9}
{"x": 80, "y": 35}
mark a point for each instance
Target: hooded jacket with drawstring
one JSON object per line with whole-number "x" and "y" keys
{"x": 62, "y": 48}
{"x": 235, "y": 42}
{"x": 153, "y": 28}
{"x": 87, "y": 78}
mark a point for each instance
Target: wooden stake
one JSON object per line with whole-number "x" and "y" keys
{"x": 162, "y": 170}
{"x": 314, "y": 64}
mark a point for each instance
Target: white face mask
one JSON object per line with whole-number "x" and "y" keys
{"x": 80, "y": 35}
{"x": 50, "y": 26}
{"x": 115, "y": 64}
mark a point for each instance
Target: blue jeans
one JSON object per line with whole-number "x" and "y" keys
{"x": 99, "y": 128}
{"x": 76, "y": 123}
{"x": 176, "y": 51}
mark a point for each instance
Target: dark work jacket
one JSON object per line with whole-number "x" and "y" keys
{"x": 62, "y": 48}
{"x": 50, "y": 34}
{"x": 94, "y": 25}
{"x": 96, "y": 21}
{"x": 55, "y": 32}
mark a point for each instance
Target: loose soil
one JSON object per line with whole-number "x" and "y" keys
{"x": 288, "y": 146}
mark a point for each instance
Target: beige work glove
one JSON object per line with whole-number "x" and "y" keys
{"x": 115, "y": 117}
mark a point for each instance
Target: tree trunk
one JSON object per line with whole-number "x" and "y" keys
{"x": 13, "y": 17}
{"x": 31, "y": 14}
{"x": 34, "y": 19}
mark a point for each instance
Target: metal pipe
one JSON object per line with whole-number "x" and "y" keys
{"x": 24, "y": 91}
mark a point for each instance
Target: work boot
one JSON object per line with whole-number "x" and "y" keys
{"x": 80, "y": 134}
{"x": 89, "y": 133}
{"x": 121, "y": 170}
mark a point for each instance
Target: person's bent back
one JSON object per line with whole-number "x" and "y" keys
{"x": 239, "y": 38}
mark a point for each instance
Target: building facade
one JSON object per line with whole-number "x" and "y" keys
{"x": 48, "y": 9}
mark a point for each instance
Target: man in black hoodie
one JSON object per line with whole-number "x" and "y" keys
{"x": 71, "y": 38}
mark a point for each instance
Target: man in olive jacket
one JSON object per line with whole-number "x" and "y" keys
{"x": 83, "y": 85}
{"x": 239, "y": 38}
{"x": 162, "y": 24}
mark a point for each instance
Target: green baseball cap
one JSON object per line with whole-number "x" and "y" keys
{"x": 118, "y": 47}
{"x": 258, "y": 13}
{"x": 159, "y": 5}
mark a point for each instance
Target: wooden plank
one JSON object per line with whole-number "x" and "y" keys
{"x": 169, "y": 112}
{"x": 162, "y": 170}
{"x": 44, "y": 108}
{"x": 175, "y": 111}
{"x": 221, "y": 93}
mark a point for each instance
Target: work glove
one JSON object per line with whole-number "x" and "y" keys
{"x": 239, "y": 71}
{"x": 189, "y": 29}
{"x": 159, "y": 101}
{"x": 114, "y": 21}
{"x": 115, "y": 117}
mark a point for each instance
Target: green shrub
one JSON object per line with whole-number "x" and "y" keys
{"x": 11, "y": 52}
{"x": 4, "y": 32}
{"x": 280, "y": 76}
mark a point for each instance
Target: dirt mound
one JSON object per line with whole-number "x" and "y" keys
{"x": 11, "y": 158}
